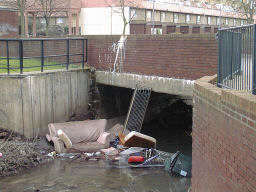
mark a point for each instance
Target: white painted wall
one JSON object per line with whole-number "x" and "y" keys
{"x": 100, "y": 21}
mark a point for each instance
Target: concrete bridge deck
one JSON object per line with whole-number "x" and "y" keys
{"x": 167, "y": 85}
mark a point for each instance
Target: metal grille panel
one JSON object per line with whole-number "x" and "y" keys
{"x": 137, "y": 109}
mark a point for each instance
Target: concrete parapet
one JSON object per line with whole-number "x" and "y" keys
{"x": 28, "y": 102}
{"x": 171, "y": 86}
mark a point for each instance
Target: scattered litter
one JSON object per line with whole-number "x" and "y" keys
{"x": 51, "y": 155}
{"x": 89, "y": 154}
{"x": 132, "y": 150}
{"x": 97, "y": 154}
{"x": 67, "y": 155}
{"x": 136, "y": 159}
{"x": 179, "y": 164}
{"x": 110, "y": 151}
{"x": 94, "y": 159}
{"x": 136, "y": 139}
{"x": 1, "y": 155}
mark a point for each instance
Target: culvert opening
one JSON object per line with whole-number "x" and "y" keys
{"x": 168, "y": 118}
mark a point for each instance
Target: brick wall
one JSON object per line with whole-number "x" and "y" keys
{"x": 177, "y": 56}
{"x": 9, "y": 25}
{"x": 224, "y": 139}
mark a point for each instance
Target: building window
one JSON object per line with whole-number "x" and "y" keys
{"x": 176, "y": 17}
{"x": 235, "y": 23}
{"x": 60, "y": 21}
{"x": 218, "y": 20}
{"x": 226, "y": 21}
{"x": 162, "y": 16}
{"x": 133, "y": 13}
{"x": 156, "y": 31}
{"x": 198, "y": 19}
{"x": 187, "y": 18}
{"x": 209, "y": 20}
{"x": 242, "y": 22}
{"x": 149, "y": 15}
{"x": 42, "y": 20}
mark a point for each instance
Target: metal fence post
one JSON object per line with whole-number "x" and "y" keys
{"x": 219, "y": 79}
{"x": 254, "y": 62}
{"x": 21, "y": 55}
{"x": 83, "y": 53}
{"x": 67, "y": 64}
{"x": 7, "y": 55}
{"x": 86, "y": 60}
{"x": 42, "y": 55}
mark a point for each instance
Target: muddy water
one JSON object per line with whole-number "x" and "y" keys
{"x": 93, "y": 176}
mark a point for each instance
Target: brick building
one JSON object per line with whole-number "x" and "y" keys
{"x": 159, "y": 17}
{"x": 9, "y": 24}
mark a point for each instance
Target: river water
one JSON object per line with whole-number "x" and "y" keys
{"x": 63, "y": 175}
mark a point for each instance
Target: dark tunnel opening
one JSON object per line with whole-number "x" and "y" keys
{"x": 168, "y": 118}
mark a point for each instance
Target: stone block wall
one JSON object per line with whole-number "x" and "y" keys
{"x": 224, "y": 139}
{"x": 177, "y": 56}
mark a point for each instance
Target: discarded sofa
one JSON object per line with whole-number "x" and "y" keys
{"x": 84, "y": 136}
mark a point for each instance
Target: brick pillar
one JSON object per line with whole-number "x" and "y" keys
{"x": 77, "y": 24}
{"x": 69, "y": 23}
{"x": 34, "y": 24}
{"x": 26, "y": 23}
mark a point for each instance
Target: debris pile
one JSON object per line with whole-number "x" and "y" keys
{"x": 17, "y": 153}
{"x": 115, "y": 141}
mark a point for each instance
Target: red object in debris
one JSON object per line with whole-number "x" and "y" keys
{"x": 1, "y": 155}
{"x": 136, "y": 159}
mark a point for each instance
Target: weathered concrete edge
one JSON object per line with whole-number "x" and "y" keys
{"x": 38, "y": 73}
{"x": 158, "y": 84}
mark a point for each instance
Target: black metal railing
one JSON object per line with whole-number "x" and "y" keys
{"x": 39, "y": 54}
{"x": 237, "y": 62}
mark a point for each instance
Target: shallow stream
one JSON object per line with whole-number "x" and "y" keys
{"x": 93, "y": 177}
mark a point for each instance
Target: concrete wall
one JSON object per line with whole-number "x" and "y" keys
{"x": 224, "y": 139}
{"x": 29, "y": 102}
{"x": 175, "y": 56}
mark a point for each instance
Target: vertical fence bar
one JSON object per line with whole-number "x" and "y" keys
{"x": 67, "y": 64}
{"x": 7, "y": 57}
{"x": 83, "y": 53}
{"x": 21, "y": 55}
{"x": 86, "y": 60}
{"x": 42, "y": 55}
{"x": 254, "y": 62}
{"x": 220, "y": 63}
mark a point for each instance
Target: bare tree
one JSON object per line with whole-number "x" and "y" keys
{"x": 47, "y": 8}
{"x": 245, "y": 7}
{"x": 119, "y": 7}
